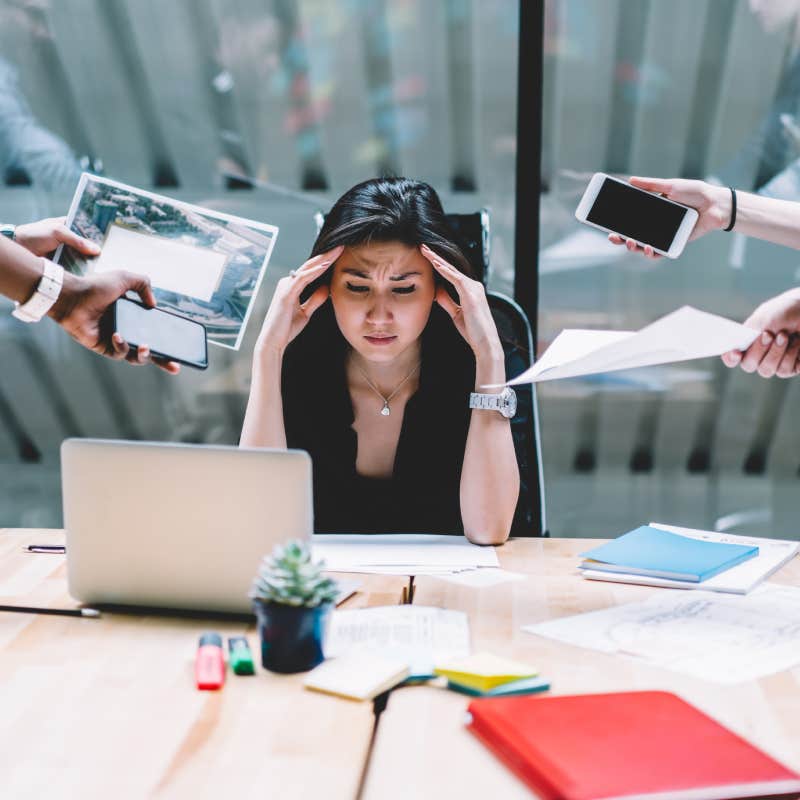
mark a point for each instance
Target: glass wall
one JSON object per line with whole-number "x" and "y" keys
{"x": 686, "y": 88}
{"x": 267, "y": 109}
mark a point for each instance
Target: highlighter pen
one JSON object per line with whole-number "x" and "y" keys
{"x": 209, "y": 663}
{"x": 240, "y": 656}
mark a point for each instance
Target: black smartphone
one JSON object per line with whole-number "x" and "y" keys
{"x": 169, "y": 336}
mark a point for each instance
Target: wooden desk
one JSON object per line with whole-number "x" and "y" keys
{"x": 107, "y": 708}
{"x": 426, "y": 725}
{"x": 99, "y": 708}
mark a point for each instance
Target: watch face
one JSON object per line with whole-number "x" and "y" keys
{"x": 509, "y": 397}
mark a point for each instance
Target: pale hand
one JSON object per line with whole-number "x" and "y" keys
{"x": 712, "y": 204}
{"x": 471, "y": 315}
{"x": 46, "y": 235}
{"x": 777, "y": 349}
{"x": 286, "y": 315}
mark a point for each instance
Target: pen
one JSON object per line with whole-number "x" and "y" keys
{"x": 60, "y": 612}
{"x": 46, "y": 548}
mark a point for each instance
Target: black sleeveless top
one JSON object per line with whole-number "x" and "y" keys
{"x": 422, "y": 496}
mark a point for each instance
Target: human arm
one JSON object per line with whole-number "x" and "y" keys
{"x": 765, "y": 218}
{"x": 287, "y": 316}
{"x": 81, "y": 303}
{"x": 490, "y": 475}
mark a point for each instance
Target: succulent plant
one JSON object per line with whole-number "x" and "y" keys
{"x": 289, "y": 576}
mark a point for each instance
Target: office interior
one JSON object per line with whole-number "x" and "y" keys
{"x": 270, "y": 109}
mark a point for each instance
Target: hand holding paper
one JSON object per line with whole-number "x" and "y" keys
{"x": 683, "y": 335}
{"x": 777, "y": 350}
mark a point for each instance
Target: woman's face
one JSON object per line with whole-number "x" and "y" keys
{"x": 382, "y": 296}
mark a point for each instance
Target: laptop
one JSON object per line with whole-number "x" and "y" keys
{"x": 174, "y": 525}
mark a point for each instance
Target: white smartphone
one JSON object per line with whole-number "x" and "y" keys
{"x": 615, "y": 206}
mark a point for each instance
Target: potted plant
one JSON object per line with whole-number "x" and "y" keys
{"x": 292, "y": 600}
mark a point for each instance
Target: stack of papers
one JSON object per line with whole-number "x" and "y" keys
{"x": 740, "y": 579}
{"x": 401, "y": 553}
{"x": 488, "y": 675}
{"x": 661, "y": 554}
{"x": 419, "y": 636}
{"x": 683, "y": 335}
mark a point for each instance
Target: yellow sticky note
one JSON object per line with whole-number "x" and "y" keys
{"x": 484, "y": 671}
{"x": 357, "y": 675}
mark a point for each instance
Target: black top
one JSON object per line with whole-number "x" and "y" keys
{"x": 422, "y": 496}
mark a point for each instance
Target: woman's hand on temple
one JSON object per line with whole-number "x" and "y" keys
{"x": 713, "y": 205}
{"x": 287, "y": 316}
{"x": 471, "y": 315}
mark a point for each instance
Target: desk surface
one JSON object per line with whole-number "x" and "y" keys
{"x": 107, "y": 707}
{"x": 426, "y": 724}
{"x": 98, "y": 708}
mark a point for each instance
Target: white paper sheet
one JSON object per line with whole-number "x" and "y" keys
{"x": 481, "y": 578}
{"x": 683, "y": 335}
{"x": 400, "y": 554}
{"x": 717, "y": 637}
{"x": 772, "y": 554}
{"x": 419, "y": 635}
{"x": 170, "y": 264}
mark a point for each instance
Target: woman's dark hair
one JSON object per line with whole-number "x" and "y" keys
{"x": 391, "y": 210}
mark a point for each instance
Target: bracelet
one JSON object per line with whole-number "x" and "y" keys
{"x": 733, "y": 210}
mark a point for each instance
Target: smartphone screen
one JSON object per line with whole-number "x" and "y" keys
{"x": 176, "y": 338}
{"x": 636, "y": 214}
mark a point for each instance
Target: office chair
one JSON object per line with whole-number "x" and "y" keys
{"x": 472, "y": 233}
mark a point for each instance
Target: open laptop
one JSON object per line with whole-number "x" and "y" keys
{"x": 175, "y": 525}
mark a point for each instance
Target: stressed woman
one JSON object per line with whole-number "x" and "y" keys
{"x": 368, "y": 358}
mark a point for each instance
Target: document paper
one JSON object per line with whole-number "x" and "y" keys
{"x": 717, "y": 637}
{"x": 683, "y": 335}
{"x": 419, "y": 635}
{"x": 400, "y": 553}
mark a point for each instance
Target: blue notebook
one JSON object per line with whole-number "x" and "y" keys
{"x": 650, "y": 551}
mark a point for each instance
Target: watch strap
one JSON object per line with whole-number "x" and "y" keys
{"x": 45, "y": 296}
{"x": 490, "y": 402}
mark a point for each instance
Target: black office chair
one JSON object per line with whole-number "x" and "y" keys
{"x": 472, "y": 233}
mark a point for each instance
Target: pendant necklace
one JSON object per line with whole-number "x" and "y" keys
{"x": 385, "y": 411}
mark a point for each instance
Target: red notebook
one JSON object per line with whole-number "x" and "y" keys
{"x": 627, "y": 745}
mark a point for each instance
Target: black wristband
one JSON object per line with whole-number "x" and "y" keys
{"x": 733, "y": 210}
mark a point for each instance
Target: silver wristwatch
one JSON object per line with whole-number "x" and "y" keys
{"x": 505, "y": 402}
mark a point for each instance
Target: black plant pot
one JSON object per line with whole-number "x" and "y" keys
{"x": 291, "y": 636}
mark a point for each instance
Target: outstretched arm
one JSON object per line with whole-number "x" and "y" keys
{"x": 766, "y": 218}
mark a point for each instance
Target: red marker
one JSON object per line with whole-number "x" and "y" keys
{"x": 209, "y": 663}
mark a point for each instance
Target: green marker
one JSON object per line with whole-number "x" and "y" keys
{"x": 241, "y": 659}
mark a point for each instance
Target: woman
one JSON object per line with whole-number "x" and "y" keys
{"x": 376, "y": 383}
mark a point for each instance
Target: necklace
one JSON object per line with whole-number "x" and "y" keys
{"x": 385, "y": 411}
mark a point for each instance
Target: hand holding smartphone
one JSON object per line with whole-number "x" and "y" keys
{"x": 646, "y": 218}
{"x": 169, "y": 336}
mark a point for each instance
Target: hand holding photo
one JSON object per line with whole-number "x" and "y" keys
{"x": 203, "y": 265}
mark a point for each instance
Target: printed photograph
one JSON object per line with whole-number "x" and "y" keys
{"x": 203, "y": 264}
